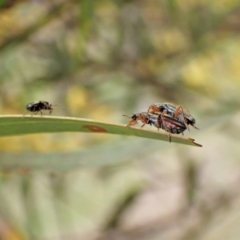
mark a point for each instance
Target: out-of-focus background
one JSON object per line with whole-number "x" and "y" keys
{"x": 102, "y": 59}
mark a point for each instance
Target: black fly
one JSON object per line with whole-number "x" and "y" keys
{"x": 36, "y": 107}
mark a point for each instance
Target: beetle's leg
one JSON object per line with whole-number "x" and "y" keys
{"x": 128, "y": 125}
{"x": 162, "y": 117}
{"x": 169, "y": 137}
{"x": 176, "y": 113}
{"x": 131, "y": 122}
{"x": 158, "y": 123}
{"x": 153, "y": 109}
{"x": 180, "y": 108}
{"x": 164, "y": 127}
{"x": 143, "y": 119}
{"x": 195, "y": 127}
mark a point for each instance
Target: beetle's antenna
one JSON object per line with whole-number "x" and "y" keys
{"x": 126, "y": 116}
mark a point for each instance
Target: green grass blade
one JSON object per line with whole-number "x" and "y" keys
{"x": 12, "y": 125}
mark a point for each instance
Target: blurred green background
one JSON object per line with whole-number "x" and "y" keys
{"x": 99, "y": 60}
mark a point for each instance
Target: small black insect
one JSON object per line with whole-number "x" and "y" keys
{"x": 36, "y": 107}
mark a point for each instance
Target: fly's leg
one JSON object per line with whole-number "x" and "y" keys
{"x": 24, "y": 114}
{"x": 51, "y": 109}
{"x": 33, "y": 113}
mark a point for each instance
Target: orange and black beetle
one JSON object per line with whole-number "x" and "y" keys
{"x": 176, "y": 112}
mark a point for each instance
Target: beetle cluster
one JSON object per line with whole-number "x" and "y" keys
{"x": 171, "y": 118}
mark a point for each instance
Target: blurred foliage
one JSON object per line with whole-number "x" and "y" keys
{"x": 102, "y": 59}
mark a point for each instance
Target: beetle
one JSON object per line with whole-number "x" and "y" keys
{"x": 36, "y": 107}
{"x": 176, "y": 112}
{"x": 144, "y": 117}
{"x": 170, "y": 125}
{"x": 162, "y": 121}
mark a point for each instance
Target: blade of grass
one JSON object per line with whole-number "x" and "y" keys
{"x": 12, "y": 125}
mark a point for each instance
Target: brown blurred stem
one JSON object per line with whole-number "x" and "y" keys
{"x": 117, "y": 213}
